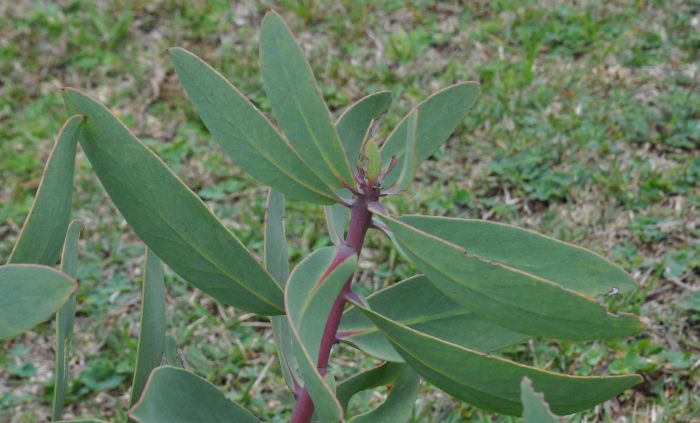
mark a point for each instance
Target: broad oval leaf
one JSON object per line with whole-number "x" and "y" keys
{"x": 439, "y": 116}
{"x": 418, "y": 304}
{"x": 505, "y": 295}
{"x": 176, "y": 395}
{"x": 65, "y": 319}
{"x": 355, "y": 122}
{"x": 399, "y": 403}
{"x": 169, "y": 217}
{"x": 151, "y": 344}
{"x": 29, "y": 295}
{"x": 245, "y": 134}
{"x": 45, "y": 227}
{"x": 311, "y": 291}
{"x": 298, "y": 105}
{"x": 86, "y": 420}
{"x": 491, "y": 382}
{"x": 535, "y": 408}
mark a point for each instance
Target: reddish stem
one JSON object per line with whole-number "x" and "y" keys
{"x": 360, "y": 221}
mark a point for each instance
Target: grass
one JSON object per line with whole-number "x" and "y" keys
{"x": 588, "y": 130}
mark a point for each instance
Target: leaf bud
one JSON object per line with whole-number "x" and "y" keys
{"x": 374, "y": 160}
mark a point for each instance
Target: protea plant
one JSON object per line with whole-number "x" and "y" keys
{"x": 479, "y": 286}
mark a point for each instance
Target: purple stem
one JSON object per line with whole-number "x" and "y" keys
{"x": 360, "y": 221}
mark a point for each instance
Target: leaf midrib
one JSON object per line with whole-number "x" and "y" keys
{"x": 492, "y": 298}
{"x": 267, "y": 156}
{"x": 187, "y": 242}
{"x": 312, "y": 134}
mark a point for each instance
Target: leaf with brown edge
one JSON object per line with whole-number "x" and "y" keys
{"x": 44, "y": 229}
{"x": 29, "y": 295}
{"x": 298, "y": 106}
{"x": 169, "y": 217}
{"x": 491, "y": 382}
{"x": 505, "y": 295}
{"x": 311, "y": 291}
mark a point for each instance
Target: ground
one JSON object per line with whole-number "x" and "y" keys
{"x": 588, "y": 129}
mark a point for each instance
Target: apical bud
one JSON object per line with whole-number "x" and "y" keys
{"x": 374, "y": 160}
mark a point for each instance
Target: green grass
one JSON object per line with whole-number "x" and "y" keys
{"x": 588, "y": 130}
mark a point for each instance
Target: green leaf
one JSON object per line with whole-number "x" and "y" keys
{"x": 535, "y": 408}
{"x": 169, "y": 217}
{"x": 507, "y": 296}
{"x": 408, "y": 168}
{"x": 418, "y": 304}
{"x": 29, "y": 295}
{"x": 398, "y": 405}
{"x": 245, "y": 134}
{"x": 491, "y": 382}
{"x": 44, "y": 229}
{"x": 440, "y": 114}
{"x": 298, "y": 106}
{"x": 277, "y": 263}
{"x": 276, "y": 254}
{"x": 311, "y": 291}
{"x": 337, "y": 218}
{"x": 571, "y": 266}
{"x": 176, "y": 395}
{"x": 151, "y": 346}
{"x": 381, "y": 375}
{"x": 171, "y": 355}
{"x": 87, "y": 420}
{"x": 355, "y": 122}
{"x": 65, "y": 319}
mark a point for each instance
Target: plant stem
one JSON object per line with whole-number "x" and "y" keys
{"x": 360, "y": 221}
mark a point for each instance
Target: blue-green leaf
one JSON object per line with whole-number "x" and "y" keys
{"x": 65, "y": 319}
{"x": 176, "y": 395}
{"x": 169, "y": 217}
{"x": 337, "y": 218}
{"x": 535, "y": 408}
{"x": 507, "y": 296}
{"x": 44, "y": 229}
{"x": 381, "y": 375}
{"x": 418, "y": 304}
{"x": 277, "y": 263}
{"x": 245, "y": 134}
{"x": 491, "y": 382}
{"x": 29, "y": 295}
{"x": 409, "y": 162}
{"x": 399, "y": 403}
{"x": 298, "y": 106}
{"x": 151, "y": 346}
{"x": 440, "y": 114}
{"x": 311, "y": 291}
{"x": 355, "y": 122}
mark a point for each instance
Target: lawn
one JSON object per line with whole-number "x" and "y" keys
{"x": 588, "y": 130}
